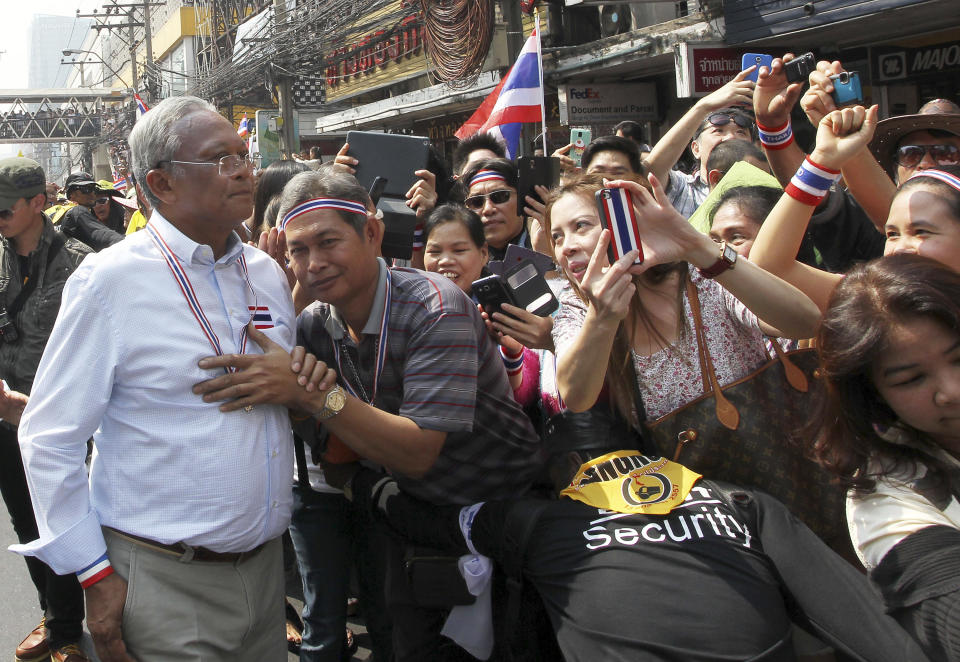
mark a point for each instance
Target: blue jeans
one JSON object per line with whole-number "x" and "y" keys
{"x": 328, "y": 535}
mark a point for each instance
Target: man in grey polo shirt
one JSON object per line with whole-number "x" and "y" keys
{"x": 422, "y": 389}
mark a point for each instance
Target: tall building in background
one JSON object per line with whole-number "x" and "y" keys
{"x": 49, "y": 37}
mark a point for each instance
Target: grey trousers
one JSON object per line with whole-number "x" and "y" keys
{"x": 194, "y": 611}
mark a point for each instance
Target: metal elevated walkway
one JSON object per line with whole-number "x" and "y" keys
{"x": 59, "y": 115}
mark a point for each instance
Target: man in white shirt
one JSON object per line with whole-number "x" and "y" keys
{"x": 176, "y": 537}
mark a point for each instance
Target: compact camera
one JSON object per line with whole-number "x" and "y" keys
{"x": 8, "y": 332}
{"x": 799, "y": 68}
{"x": 846, "y": 88}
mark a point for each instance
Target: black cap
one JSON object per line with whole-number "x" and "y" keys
{"x": 77, "y": 179}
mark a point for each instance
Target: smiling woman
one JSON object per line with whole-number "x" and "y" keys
{"x": 455, "y": 246}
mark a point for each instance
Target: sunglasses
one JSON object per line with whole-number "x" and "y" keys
{"x": 86, "y": 188}
{"x": 723, "y": 119}
{"x": 911, "y": 155}
{"x": 6, "y": 213}
{"x": 477, "y": 202}
{"x": 101, "y": 201}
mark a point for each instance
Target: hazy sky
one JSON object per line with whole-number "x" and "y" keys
{"x": 15, "y": 31}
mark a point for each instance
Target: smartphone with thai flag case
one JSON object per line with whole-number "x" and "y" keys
{"x": 618, "y": 215}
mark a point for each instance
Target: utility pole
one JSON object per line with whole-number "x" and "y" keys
{"x": 284, "y": 85}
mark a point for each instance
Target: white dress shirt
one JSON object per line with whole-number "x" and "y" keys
{"x": 119, "y": 366}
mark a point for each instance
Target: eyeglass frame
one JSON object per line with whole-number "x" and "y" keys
{"x": 83, "y": 188}
{"x": 488, "y": 196}
{"x": 101, "y": 200}
{"x": 252, "y": 162}
{"x": 927, "y": 149}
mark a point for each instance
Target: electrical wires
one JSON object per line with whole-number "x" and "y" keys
{"x": 458, "y": 36}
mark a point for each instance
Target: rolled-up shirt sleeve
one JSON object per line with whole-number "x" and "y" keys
{"x": 70, "y": 394}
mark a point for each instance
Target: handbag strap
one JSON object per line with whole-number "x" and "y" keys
{"x": 727, "y": 413}
{"x": 795, "y": 376}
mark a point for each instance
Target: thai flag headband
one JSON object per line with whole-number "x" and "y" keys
{"x": 323, "y": 203}
{"x": 944, "y": 177}
{"x": 487, "y": 176}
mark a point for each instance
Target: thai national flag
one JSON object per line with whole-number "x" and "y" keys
{"x": 119, "y": 182}
{"x": 618, "y": 215}
{"x": 261, "y": 317}
{"x": 141, "y": 106}
{"x": 516, "y": 100}
{"x": 244, "y": 128}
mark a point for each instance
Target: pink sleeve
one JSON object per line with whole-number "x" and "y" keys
{"x": 529, "y": 388}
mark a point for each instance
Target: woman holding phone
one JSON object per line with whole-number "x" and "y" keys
{"x": 624, "y": 322}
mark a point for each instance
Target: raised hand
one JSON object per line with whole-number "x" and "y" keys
{"x": 422, "y": 196}
{"x": 842, "y": 134}
{"x": 817, "y": 102}
{"x": 737, "y": 92}
{"x": 344, "y": 162}
{"x": 774, "y": 97}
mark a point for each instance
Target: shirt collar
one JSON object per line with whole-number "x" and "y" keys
{"x": 189, "y": 251}
{"x": 337, "y": 328}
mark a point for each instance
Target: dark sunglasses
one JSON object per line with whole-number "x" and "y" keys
{"x": 910, "y": 155}
{"x": 6, "y": 213}
{"x": 100, "y": 201}
{"x": 498, "y": 197}
{"x": 86, "y": 188}
{"x": 723, "y": 119}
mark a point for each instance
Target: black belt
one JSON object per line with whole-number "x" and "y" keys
{"x": 188, "y": 553}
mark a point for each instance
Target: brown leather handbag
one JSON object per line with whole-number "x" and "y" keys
{"x": 746, "y": 433}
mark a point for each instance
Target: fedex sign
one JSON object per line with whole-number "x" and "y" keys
{"x": 599, "y": 103}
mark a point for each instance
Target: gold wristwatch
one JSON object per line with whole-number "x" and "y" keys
{"x": 333, "y": 403}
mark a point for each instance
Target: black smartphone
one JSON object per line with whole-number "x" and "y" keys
{"x": 529, "y": 289}
{"x": 376, "y": 188}
{"x": 799, "y": 68}
{"x": 533, "y": 170}
{"x": 491, "y": 292}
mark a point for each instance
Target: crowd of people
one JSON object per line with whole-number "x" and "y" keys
{"x": 217, "y": 393}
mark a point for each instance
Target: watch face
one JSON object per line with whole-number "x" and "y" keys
{"x": 729, "y": 254}
{"x": 336, "y": 400}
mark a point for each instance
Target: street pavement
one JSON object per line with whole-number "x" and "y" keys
{"x": 20, "y": 612}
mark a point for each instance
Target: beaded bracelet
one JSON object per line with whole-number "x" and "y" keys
{"x": 778, "y": 138}
{"x": 811, "y": 183}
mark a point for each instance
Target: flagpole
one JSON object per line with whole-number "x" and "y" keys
{"x": 543, "y": 107}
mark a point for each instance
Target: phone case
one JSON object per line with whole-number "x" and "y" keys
{"x": 533, "y": 170}
{"x": 491, "y": 293}
{"x": 579, "y": 138}
{"x": 759, "y": 59}
{"x": 529, "y": 289}
{"x": 617, "y": 215}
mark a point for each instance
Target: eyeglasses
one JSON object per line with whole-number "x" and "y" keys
{"x": 911, "y": 155}
{"x": 227, "y": 166}
{"x": 723, "y": 119}
{"x": 498, "y": 197}
{"x": 5, "y": 214}
{"x": 86, "y": 188}
{"x": 100, "y": 201}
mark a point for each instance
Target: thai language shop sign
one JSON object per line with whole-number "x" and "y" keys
{"x": 703, "y": 68}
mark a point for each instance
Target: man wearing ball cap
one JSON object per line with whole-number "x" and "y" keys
{"x": 35, "y": 261}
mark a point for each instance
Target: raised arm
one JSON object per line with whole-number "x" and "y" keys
{"x": 582, "y": 365}
{"x": 773, "y": 99}
{"x": 840, "y": 135}
{"x": 865, "y": 178}
{"x": 669, "y": 149}
{"x": 783, "y": 310}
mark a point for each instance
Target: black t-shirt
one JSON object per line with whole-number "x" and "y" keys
{"x": 710, "y": 581}
{"x": 616, "y": 586}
